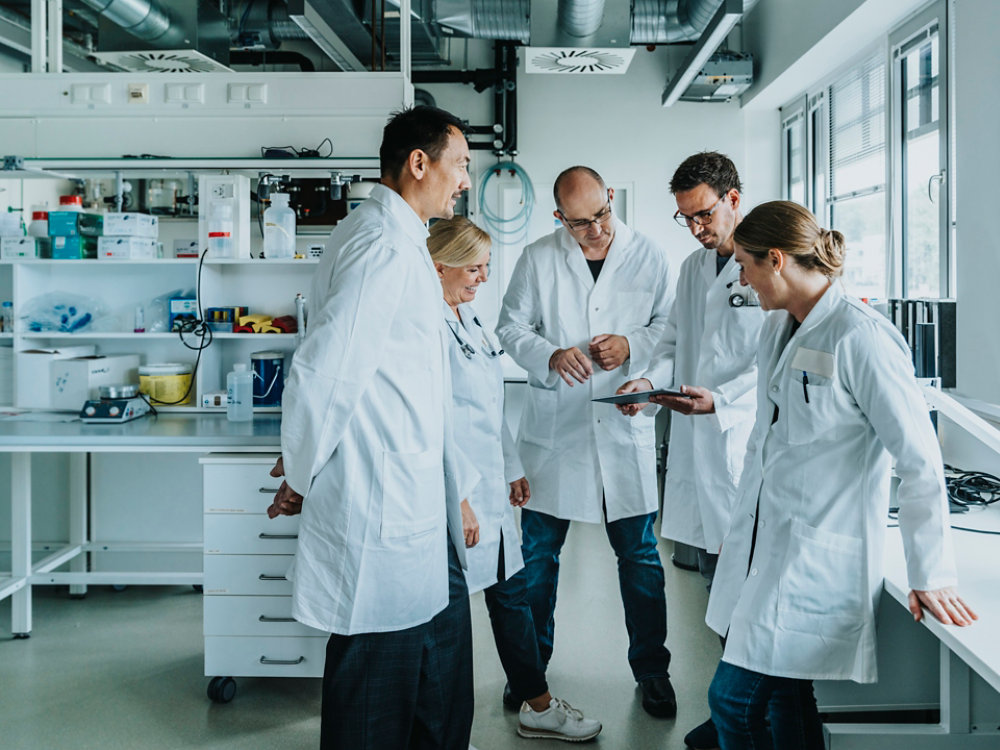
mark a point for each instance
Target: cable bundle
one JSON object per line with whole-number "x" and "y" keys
{"x": 507, "y": 231}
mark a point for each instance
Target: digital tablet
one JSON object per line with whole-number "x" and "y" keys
{"x": 639, "y": 397}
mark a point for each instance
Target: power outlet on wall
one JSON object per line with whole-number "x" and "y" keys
{"x": 138, "y": 93}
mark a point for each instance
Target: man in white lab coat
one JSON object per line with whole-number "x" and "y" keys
{"x": 366, "y": 438}
{"x": 709, "y": 352}
{"x": 585, "y": 307}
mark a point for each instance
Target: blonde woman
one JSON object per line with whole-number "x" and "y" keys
{"x": 800, "y": 571}
{"x": 461, "y": 254}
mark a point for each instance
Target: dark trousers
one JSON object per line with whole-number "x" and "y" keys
{"x": 754, "y": 711}
{"x": 514, "y": 633}
{"x": 640, "y": 578}
{"x": 407, "y": 689}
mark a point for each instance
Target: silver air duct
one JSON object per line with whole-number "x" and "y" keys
{"x": 486, "y": 19}
{"x": 670, "y": 21}
{"x": 580, "y": 18}
{"x": 145, "y": 19}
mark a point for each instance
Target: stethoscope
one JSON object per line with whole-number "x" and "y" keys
{"x": 491, "y": 349}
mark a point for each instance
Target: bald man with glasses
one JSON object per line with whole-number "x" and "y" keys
{"x": 584, "y": 309}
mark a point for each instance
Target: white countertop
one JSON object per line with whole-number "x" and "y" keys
{"x": 977, "y": 556}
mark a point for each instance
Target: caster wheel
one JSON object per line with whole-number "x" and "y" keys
{"x": 119, "y": 586}
{"x": 21, "y": 636}
{"x": 198, "y": 587}
{"x": 77, "y": 597}
{"x": 221, "y": 689}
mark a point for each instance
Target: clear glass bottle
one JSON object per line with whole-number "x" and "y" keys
{"x": 279, "y": 228}
{"x": 239, "y": 390}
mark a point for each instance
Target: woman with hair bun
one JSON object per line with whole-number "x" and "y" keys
{"x": 800, "y": 571}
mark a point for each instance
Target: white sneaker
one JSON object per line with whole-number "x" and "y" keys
{"x": 560, "y": 721}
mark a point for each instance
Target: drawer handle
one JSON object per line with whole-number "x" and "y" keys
{"x": 268, "y": 491}
{"x": 262, "y": 535}
{"x": 265, "y": 618}
{"x": 282, "y": 662}
{"x": 266, "y": 577}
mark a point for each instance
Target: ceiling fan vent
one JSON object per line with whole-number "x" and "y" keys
{"x": 163, "y": 61}
{"x": 578, "y": 60}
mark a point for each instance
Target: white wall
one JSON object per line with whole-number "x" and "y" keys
{"x": 616, "y": 125}
{"x": 977, "y": 143}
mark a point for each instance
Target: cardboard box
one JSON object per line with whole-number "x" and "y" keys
{"x": 32, "y": 374}
{"x": 126, "y": 247}
{"x": 72, "y": 248}
{"x": 18, "y": 247}
{"x": 73, "y": 223}
{"x": 73, "y": 381}
{"x": 130, "y": 225}
{"x": 186, "y": 249}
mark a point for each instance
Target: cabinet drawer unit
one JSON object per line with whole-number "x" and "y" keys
{"x": 232, "y": 534}
{"x": 247, "y": 575}
{"x": 245, "y": 487}
{"x": 253, "y": 616}
{"x": 265, "y": 656}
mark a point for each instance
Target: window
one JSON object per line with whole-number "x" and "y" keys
{"x": 793, "y": 152}
{"x": 920, "y": 153}
{"x": 872, "y": 143}
{"x": 856, "y": 196}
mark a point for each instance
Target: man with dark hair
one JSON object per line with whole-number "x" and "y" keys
{"x": 366, "y": 438}
{"x": 585, "y": 307}
{"x": 708, "y": 351}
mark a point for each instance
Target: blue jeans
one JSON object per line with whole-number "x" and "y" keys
{"x": 754, "y": 711}
{"x": 640, "y": 577}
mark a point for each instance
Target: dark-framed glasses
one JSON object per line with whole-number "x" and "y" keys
{"x": 599, "y": 218}
{"x": 702, "y": 218}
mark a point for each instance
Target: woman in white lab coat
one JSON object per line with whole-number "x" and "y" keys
{"x": 800, "y": 571}
{"x": 461, "y": 253}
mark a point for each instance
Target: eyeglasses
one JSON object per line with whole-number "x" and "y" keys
{"x": 702, "y": 218}
{"x": 599, "y": 218}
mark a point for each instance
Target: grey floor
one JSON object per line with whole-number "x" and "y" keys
{"x": 124, "y": 670}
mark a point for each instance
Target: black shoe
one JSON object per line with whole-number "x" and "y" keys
{"x": 510, "y": 701}
{"x": 703, "y": 737}
{"x": 658, "y": 697}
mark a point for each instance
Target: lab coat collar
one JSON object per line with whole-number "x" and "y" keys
{"x": 578, "y": 264}
{"x": 410, "y": 223}
{"x": 823, "y": 308}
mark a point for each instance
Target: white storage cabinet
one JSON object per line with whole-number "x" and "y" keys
{"x": 249, "y": 630}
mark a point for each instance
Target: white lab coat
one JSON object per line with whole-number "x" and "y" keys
{"x": 366, "y": 431}
{"x": 485, "y": 441}
{"x": 806, "y": 607}
{"x": 573, "y": 449}
{"x": 711, "y": 344}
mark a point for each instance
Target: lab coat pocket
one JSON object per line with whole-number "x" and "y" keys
{"x": 812, "y": 409}
{"x": 633, "y": 308}
{"x": 821, "y": 589}
{"x": 412, "y": 493}
{"x": 539, "y": 421}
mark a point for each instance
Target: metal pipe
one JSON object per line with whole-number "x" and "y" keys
{"x": 145, "y": 19}
{"x": 38, "y": 36}
{"x": 55, "y": 36}
{"x": 580, "y": 18}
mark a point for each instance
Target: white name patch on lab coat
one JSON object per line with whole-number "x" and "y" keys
{"x": 813, "y": 360}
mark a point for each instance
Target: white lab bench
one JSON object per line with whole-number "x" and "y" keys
{"x": 965, "y": 660}
{"x": 165, "y": 433}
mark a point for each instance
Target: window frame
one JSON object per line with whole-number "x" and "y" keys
{"x": 902, "y": 39}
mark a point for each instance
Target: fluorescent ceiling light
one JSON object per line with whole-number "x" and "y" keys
{"x": 718, "y": 29}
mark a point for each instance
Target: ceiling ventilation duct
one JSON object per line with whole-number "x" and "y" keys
{"x": 672, "y": 21}
{"x": 505, "y": 20}
{"x": 580, "y": 37}
{"x": 151, "y": 37}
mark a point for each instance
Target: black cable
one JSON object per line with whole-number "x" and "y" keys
{"x": 199, "y": 328}
{"x": 971, "y": 488}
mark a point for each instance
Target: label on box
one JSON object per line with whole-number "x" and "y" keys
{"x": 18, "y": 247}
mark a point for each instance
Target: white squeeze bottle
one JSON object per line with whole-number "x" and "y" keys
{"x": 279, "y": 228}
{"x": 239, "y": 389}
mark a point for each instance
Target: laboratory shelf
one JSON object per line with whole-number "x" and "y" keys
{"x": 98, "y": 335}
{"x": 96, "y": 261}
{"x": 6, "y": 336}
{"x": 260, "y": 262}
{"x": 256, "y": 336}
